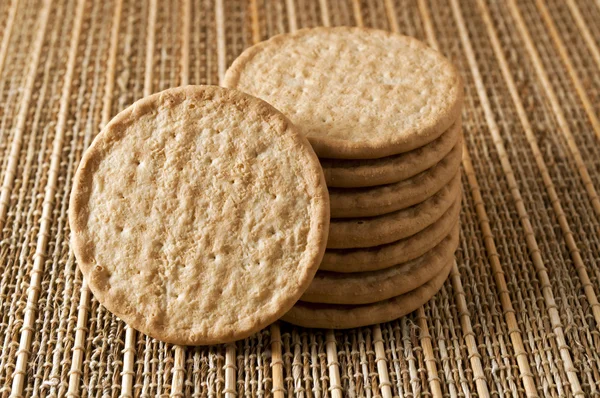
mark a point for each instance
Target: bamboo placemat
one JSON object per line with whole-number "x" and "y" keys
{"x": 519, "y": 314}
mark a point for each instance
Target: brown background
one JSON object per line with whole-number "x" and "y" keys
{"x": 520, "y": 313}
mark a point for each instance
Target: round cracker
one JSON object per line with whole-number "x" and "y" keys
{"x": 345, "y": 233}
{"x": 370, "y": 287}
{"x": 199, "y": 215}
{"x": 360, "y": 173}
{"x": 356, "y": 93}
{"x": 375, "y": 201}
{"x": 339, "y": 316}
{"x": 380, "y": 257}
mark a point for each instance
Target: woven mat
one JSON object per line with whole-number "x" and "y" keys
{"x": 519, "y": 314}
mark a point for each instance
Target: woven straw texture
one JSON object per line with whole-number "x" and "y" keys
{"x": 519, "y": 314}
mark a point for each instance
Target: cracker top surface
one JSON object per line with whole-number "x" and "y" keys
{"x": 354, "y": 92}
{"x": 199, "y": 215}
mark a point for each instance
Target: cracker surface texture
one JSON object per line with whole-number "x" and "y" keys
{"x": 199, "y": 215}
{"x": 356, "y": 93}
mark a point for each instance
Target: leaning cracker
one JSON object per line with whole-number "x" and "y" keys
{"x": 338, "y": 316}
{"x": 370, "y": 287}
{"x": 199, "y": 215}
{"x": 360, "y": 173}
{"x": 341, "y": 85}
{"x": 345, "y": 233}
{"x": 375, "y": 201}
{"x": 380, "y": 257}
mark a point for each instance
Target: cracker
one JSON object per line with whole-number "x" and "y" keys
{"x": 339, "y": 316}
{"x": 356, "y": 93}
{"x": 373, "y": 286}
{"x": 375, "y": 201}
{"x": 380, "y": 257}
{"x": 199, "y": 215}
{"x": 360, "y": 173}
{"x": 347, "y": 233}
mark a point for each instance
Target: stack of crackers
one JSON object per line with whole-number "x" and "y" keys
{"x": 382, "y": 112}
{"x": 321, "y": 186}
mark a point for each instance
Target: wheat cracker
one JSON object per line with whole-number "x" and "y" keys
{"x": 355, "y": 93}
{"x": 199, "y": 215}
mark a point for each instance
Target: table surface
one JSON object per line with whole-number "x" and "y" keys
{"x": 519, "y": 314}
